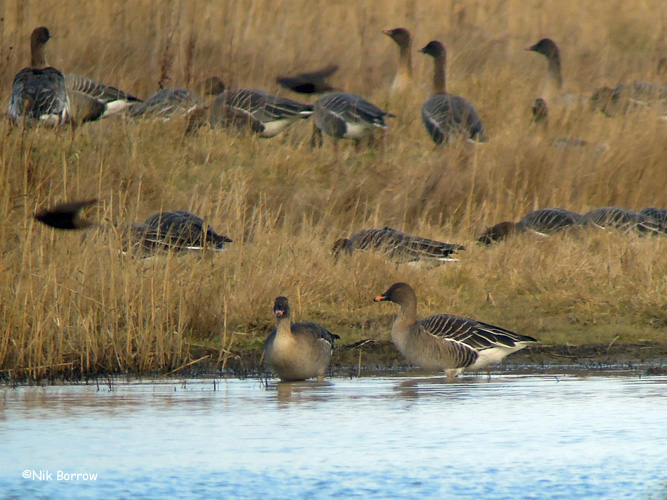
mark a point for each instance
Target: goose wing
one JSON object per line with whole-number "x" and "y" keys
{"x": 352, "y": 108}
{"x": 97, "y": 90}
{"x": 446, "y": 114}
{"x": 315, "y": 330}
{"x": 264, "y": 106}
{"x": 549, "y": 219}
{"x": 184, "y": 230}
{"x": 402, "y": 245}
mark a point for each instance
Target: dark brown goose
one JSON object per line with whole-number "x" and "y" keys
{"x": 297, "y": 351}
{"x": 313, "y": 82}
{"x": 397, "y": 245}
{"x": 446, "y": 342}
{"x": 447, "y": 115}
{"x": 346, "y": 116}
{"x": 39, "y": 94}
{"x": 403, "y": 79}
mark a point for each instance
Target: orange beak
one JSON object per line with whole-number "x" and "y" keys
{"x": 379, "y": 298}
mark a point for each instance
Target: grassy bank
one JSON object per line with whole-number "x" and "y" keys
{"x": 71, "y": 306}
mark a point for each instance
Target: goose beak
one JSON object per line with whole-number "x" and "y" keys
{"x": 379, "y": 298}
{"x": 387, "y": 32}
{"x": 528, "y": 48}
{"x": 279, "y": 313}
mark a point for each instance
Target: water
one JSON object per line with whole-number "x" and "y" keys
{"x": 389, "y": 437}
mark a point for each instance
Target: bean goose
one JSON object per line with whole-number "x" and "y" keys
{"x": 396, "y": 245}
{"x": 297, "y": 351}
{"x": 403, "y": 79}
{"x": 621, "y": 218}
{"x": 39, "y": 93}
{"x": 552, "y": 84}
{"x": 447, "y": 342}
{"x": 313, "y": 82}
{"x": 346, "y": 116}
{"x": 181, "y": 230}
{"x": 544, "y": 222}
{"x": 112, "y": 100}
{"x": 167, "y": 103}
{"x": 446, "y": 115}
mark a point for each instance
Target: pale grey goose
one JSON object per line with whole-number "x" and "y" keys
{"x": 552, "y": 84}
{"x": 346, "y": 116}
{"x": 403, "y": 79}
{"x": 446, "y": 342}
{"x": 167, "y": 103}
{"x": 543, "y": 221}
{"x": 297, "y": 351}
{"x": 446, "y": 115}
{"x": 623, "y": 219}
{"x": 396, "y": 245}
{"x": 311, "y": 82}
{"x": 111, "y": 98}
{"x": 39, "y": 93}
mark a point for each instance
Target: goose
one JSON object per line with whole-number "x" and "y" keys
{"x": 445, "y": 115}
{"x": 444, "y": 341}
{"x": 111, "y": 99}
{"x": 346, "y": 116}
{"x": 658, "y": 215}
{"x": 403, "y": 79}
{"x": 396, "y": 245}
{"x": 167, "y": 103}
{"x": 540, "y": 112}
{"x": 552, "y": 84}
{"x": 181, "y": 230}
{"x": 39, "y": 93}
{"x": 297, "y": 351}
{"x": 313, "y": 82}
{"x": 631, "y": 96}
{"x": 621, "y": 218}
{"x": 543, "y": 221}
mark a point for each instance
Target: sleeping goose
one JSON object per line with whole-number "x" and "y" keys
{"x": 396, "y": 245}
{"x": 623, "y": 219}
{"x": 403, "y": 79}
{"x": 345, "y": 116}
{"x": 39, "y": 93}
{"x": 658, "y": 215}
{"x": 313, "y": 82}
{"x": 446, "y": 115}
{"x": 167, "y": 103}
{"x": 181, "y": 230}
{"x": 447, "y": 342}
{"x": 297, "y": 351}
{"x": 552, "y": 84}
{"x": 543, "y": 221}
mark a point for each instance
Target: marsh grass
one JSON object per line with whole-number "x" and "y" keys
{"x": 75, "y": 306}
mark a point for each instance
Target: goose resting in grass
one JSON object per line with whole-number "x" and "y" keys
{"x": 39, "y": 94}
{"x": 398, "y": 246}
{"x": 403, "y": 79}
{"x": 552, "y": 84}
{"x": 446, "y": 342}
{"x": 627, "y": 97}
{"x": 297, "y": 351}
{"x": 623, "y": 219}
{"x": 345, "y": 116}
{"x": 313, "y": 82}
{"x": 657, "y": 215}
{"x": 446, "y": 115}
{"x": 181, "y": 230}
{"x": 111, "y": 99}
{"x": 544, "y": 222}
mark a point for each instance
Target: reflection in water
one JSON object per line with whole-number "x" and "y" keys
{"x": 398, "y": 437}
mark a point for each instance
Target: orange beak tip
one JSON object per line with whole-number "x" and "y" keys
{"x": 378, "y": 299}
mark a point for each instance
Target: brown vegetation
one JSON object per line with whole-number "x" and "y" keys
{"x": 72, "y": 306}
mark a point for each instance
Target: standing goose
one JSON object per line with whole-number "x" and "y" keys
{"x": 297, "y": 351}
{"x": 551, "y": 90}
{"x": 396, "y": 245}
{"x": 403, "y": 79}
{"x": 446, "y": 115}
{"x": 39, "y": 92}
{"x": 446, "y": 342}
{"x": 346, "y": 116}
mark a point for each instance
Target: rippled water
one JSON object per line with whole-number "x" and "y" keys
{"x": 391, "y": 437}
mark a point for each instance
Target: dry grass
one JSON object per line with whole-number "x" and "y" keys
{"x": 73, "y": 306}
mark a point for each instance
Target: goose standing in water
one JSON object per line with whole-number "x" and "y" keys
{"x": 446, "y": 115}
{"x": 396, "y": 245}
{"x": 39, "y": 93}
{"x": 297, "y": 351}
{"x": 345, "y": 116}
{"x": 551, "y": 90}
{"x": 403, "y": 79}
{"x": 447, "y": 342}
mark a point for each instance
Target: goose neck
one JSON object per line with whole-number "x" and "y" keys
{"x": 439, "y": 74}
